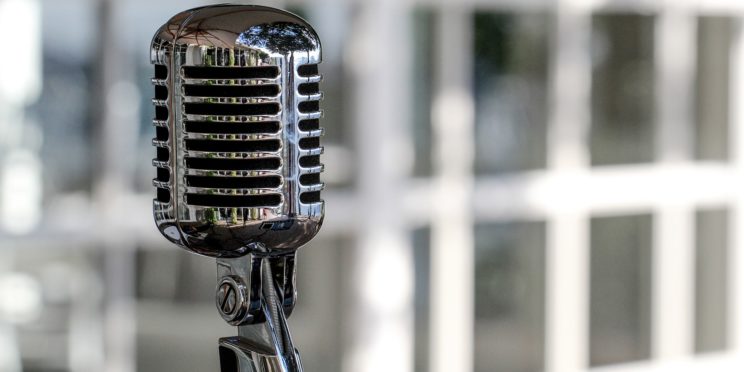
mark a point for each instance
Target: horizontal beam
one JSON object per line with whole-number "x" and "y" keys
{"x": 719, "y": 7}
{"x": 528, "y": 195}
{"x": 611, "y": 190}
{"x": 699, "y": 363}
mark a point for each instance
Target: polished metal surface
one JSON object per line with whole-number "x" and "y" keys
{"x": 238, "y": 163}
{"x": 232, "y": 161}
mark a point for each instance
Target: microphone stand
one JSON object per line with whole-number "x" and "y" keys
{"x": 257, "y": 294}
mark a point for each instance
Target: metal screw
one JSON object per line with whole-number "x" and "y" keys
{"x": 227, "y": 298}
{"x": 231, "y": 299}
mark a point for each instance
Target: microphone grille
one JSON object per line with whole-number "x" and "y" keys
{"x": 232, "y": 136}
{"x": 237, "y": 117}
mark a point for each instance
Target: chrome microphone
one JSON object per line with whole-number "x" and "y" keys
{"x": 237, "y": 122}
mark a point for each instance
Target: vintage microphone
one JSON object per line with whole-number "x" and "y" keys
{"x": 238, "y": 163}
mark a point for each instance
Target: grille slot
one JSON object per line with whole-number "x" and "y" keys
{"x": 261, "y": 72}
{"x": 234, "y": 182}
{"x": 163, "y": 195}
{"x": 264, "y": 90}
{"x": 215, "y": 127}
{"x": 310, "y": 143}
{"x": 308, "y": 125}
{"x": 309, "y": 88}
{"x": 250, "y": 164}
{"x": 162, "y": 134}
{"x": 162, "y": 154}
{"x": 163, "y": 175}
{"x": 161, "y": 113}
{"x": 234, "y": 201}
{"x": 308, "y": 70}
{"x": 310, "y": 161}
{"x": 310, "y": 197}
{"x": 231, "y": 110}
{"x": 309, "y": 106}
{"x": 161, "y": 72}
{"x": 310, "y": 179}
{"x": 161, "y": 92}
{"x": 226, "y": 146}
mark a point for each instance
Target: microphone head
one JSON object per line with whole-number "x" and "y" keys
{"x": 237, "y": 130}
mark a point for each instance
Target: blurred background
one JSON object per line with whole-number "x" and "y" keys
{"x": 511, "y": 185}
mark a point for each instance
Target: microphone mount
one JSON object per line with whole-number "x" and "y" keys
{"x": 257, "y": 294}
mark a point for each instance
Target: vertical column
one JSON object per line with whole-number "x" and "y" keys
{"x": 567, "y": 257}
{"x": 736, "y": 260}
{"x": 674, "y": 59}
{"x": 452, "y": 245}
{"x": 570, "y": 86}
{"x": 114, "y": 112}
{"x": 20, "y": 86}
{"x": 567, "y": 297}
{"x": 20, "y": 167}
{"x": 673, "y": 270}
{"x": 673, "y": 280}
{"x": 381, "y": 317}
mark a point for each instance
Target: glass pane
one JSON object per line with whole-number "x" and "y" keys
{"x": 324, "y": 267}
{"x": 510, "y": 80}
{"x": 509, "y": 297}
{"x": 174, "y": 289}
{"x": 620, "y": 289}
{"x": 622, "y": 89}
{"x": 422, "y": 258}
{"x": 422, "y": 74}
{"x": 712, "y": 100}
{"x": 63, "y": 109}
{"x": 711, "y": 284}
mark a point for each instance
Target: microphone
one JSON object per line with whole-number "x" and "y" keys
{"x": 237, "y": 123}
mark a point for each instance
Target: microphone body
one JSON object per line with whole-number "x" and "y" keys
{"x": 238, "y": 162}
{"x": 237, "y": 121}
